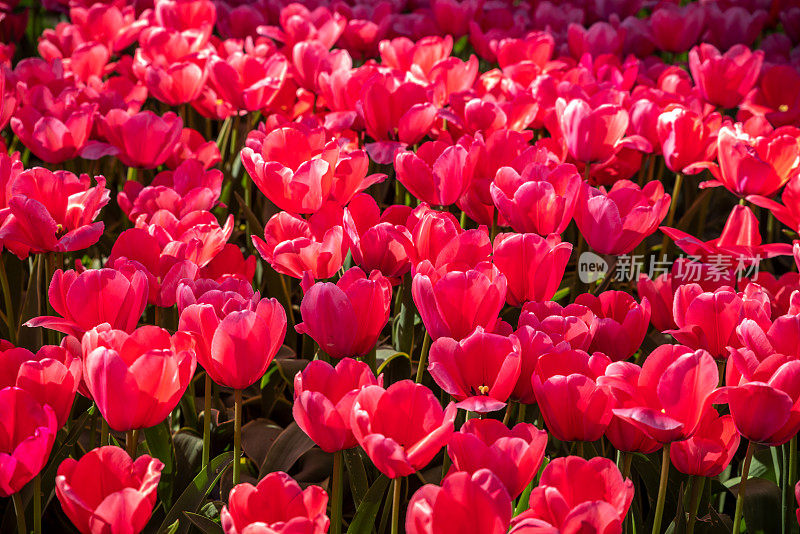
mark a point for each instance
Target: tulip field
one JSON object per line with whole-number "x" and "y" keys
{"x": 399, "y": 266}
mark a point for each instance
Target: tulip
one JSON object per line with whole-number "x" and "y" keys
{"x": 619, "y": 324}
{"x": 708, "y": 320}
{"x": 533, "y": 265}
{"x": 29, "y": 430}
{"x": 192, "y": 145}
{"x": 137, "y": 379}
{"x": 439, "y": 238}
{"x": 347, "y": 317}
{"x": 513, "y": 455}
{"x": 107, "y": 491}
{"x": 454, "y": 304}
{"x": 676, "y": 29}
{"x": 323, "y": 400}
{"x": 568, "y": 482}
{"x": 674, "y": 390}
{"x": 540, "y": 200}
{"x": 52, "y": 375}
{"x": 750, "y": 165}
{"x": 776, "y": 97}
{"x": 616, "y": 221}
{"x": 686, "y": 137}
{"x": 569, "y": 378}
{"x": 293, "y": 245}
{"x": 51, "y": 137}
{"x": 401, "y": 428}
{"x": 196, "y": 237}
{"x": 52, "y": 212}
{"x": 469, "y": 503}
{"x": 710, "y": 450}
{"x": 179, "y": 83}
{"x": 94, "y": 297}
{"x": 533, "y": 344}
{"x": 276, "y": 504}
{"x": 622, "y": 380}
{"x": 437, "y": 174}
{"x": 248, "y": 82}
{"x": 591, "y": 516}
{"x": 735, "y": 25}
{"x": 142, "y": 139}
{"x": 568, "y": 324}
{"x": 724, "y": 79}
{"x": 480, "y": 371}
{"x": 379, "y": 241}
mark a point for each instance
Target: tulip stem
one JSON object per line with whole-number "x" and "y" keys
{"x": 423, "y": 357}
{"x": 396, "y": 505}
{"x": 19, "y": 508}
{"x": 580, "y": 449}
{"x": 676, "y": 189}
{"x": 237, "y": 434}
{"x": 288, "y": 298}
{"x": 104, "y": 433}
{"x": 627, "y": 460}
{"x": 737, "y": 518}
{"x": 37, "y": 504}
{"x": 509, "y": 410}
{"x": 791, "y": 476}
{"x": 338, "y": 493}
{"x": 521, "y": 413}
{"x": 12, "y": 325}
{"x": 696, "y": 490}
{"x": 207, "y": 422}
{"x": 662, "y": 489}
{"x": 131, "y": 442}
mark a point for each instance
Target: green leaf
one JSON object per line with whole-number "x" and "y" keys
{"x": 192, "y": 498}
{"x": 288, "y": 447}
{"x": 561, "y": 293}
{"x": 359, "y": 484}
{"x": 364, "y": 520}
{"x": 206, "y": 525}
{"x": 255, "y": 224}
{"x": 762, "y": 501}
{"x": 387, "y": 360}
{"x": 159, "y": 441}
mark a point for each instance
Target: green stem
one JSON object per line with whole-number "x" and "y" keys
{"x": 737, "y": 518}
{"x": 662, "y": 490}
{"x": 627, "y": 460}
{"x": 338, "y": 493}
{"x": 695, "y": 491}
{"x": 19, "y": 508}
{"x": 396, "y": 506}
{"x": 791, "y": 480}
{"x": 131, "y": 442}
{"x": 10, "y": 323}
{"x": 580, "y": 449}
{"x": 207, "y": 422}
{"x": 237, "y": 435}
{"x": 676, "y": 190}
{"x": 509, "y": 410}
{"x": 37, "y": 504}
{"x": 521, "y": 413}
{"x": 423, "y": 357}
{"x": 104, "y": 433}
{"x": 288, "y": 298}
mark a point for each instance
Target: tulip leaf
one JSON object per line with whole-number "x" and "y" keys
{"x": 364, "y": 520}
{"x": 192, "y": 498}
{"x": 159, "y": 441}
{"x": 287, "y": 449}
{"x": 359, "y": 484}
{"x": 386, "y": 361}
{"x": 762, "y": 499}
{"x": 561, "y": 293}
{"x": 255, "y": 223}
{"x": 206, "y": 525}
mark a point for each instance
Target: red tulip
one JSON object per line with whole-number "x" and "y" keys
{"x": 437, "y": 174}
{"x": 298, "y": 23}
{"x": 708, "y": 320}
{"x": 52, "y": 212}
{"x": 238, "y": 337}
{"x": 619, "y": 324}
{"x": 52, "y": 375}
{"x": 513, "y": 455}
{"x": 710, "y": 450}
{"x": 622, "y": 380}
{"x": 454, "y": 304}
{"x": 137, "y": 379}
{"x": 569, "y": 482}
{"x": 192, "y": 145}
{"x": 568, "y": 324}
{"x": 569, "y": 378}
{"x": 29, "y": 430}
{"x": 347, "y": 317}
{"x": 540, "y": 200}
{"x": 533, "y": 344}
{"x": 750, "y": 165}
{"x": 468, "y": 503}
{"x": 480, "y": 371}
{"x": 589, "y": 516}
{"x": 674, "y": 389}
{"x": 247, "y": 82}
{"x": 196, "y": 237}
{"x": 776, "y": 97}
{"x": 106, "y": 491}
{"x": 676, "y": 29}
{"x": 94, "y": 297}
{"x": 379, "y": 241}
{"x": 53, "y": 136}
{"x": 765, "y": 400}
{"x": 323, "y": 400}
{"x": 734, "y": 25}
{"x": 142, "y": 139}
{"x": 277, "y": 504}
{"x": 532, "y": 265}
{"x": 686, "y": 137}
{"x": 179, "y": 83}
{"x": 439, "y": 238}
{"x": 616, "y": 221}
{"x": 401, "y": 428}
{"x": 724, "y": 79}
{"x": 293, "y": 245}
{"x": 593, "y": 135}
